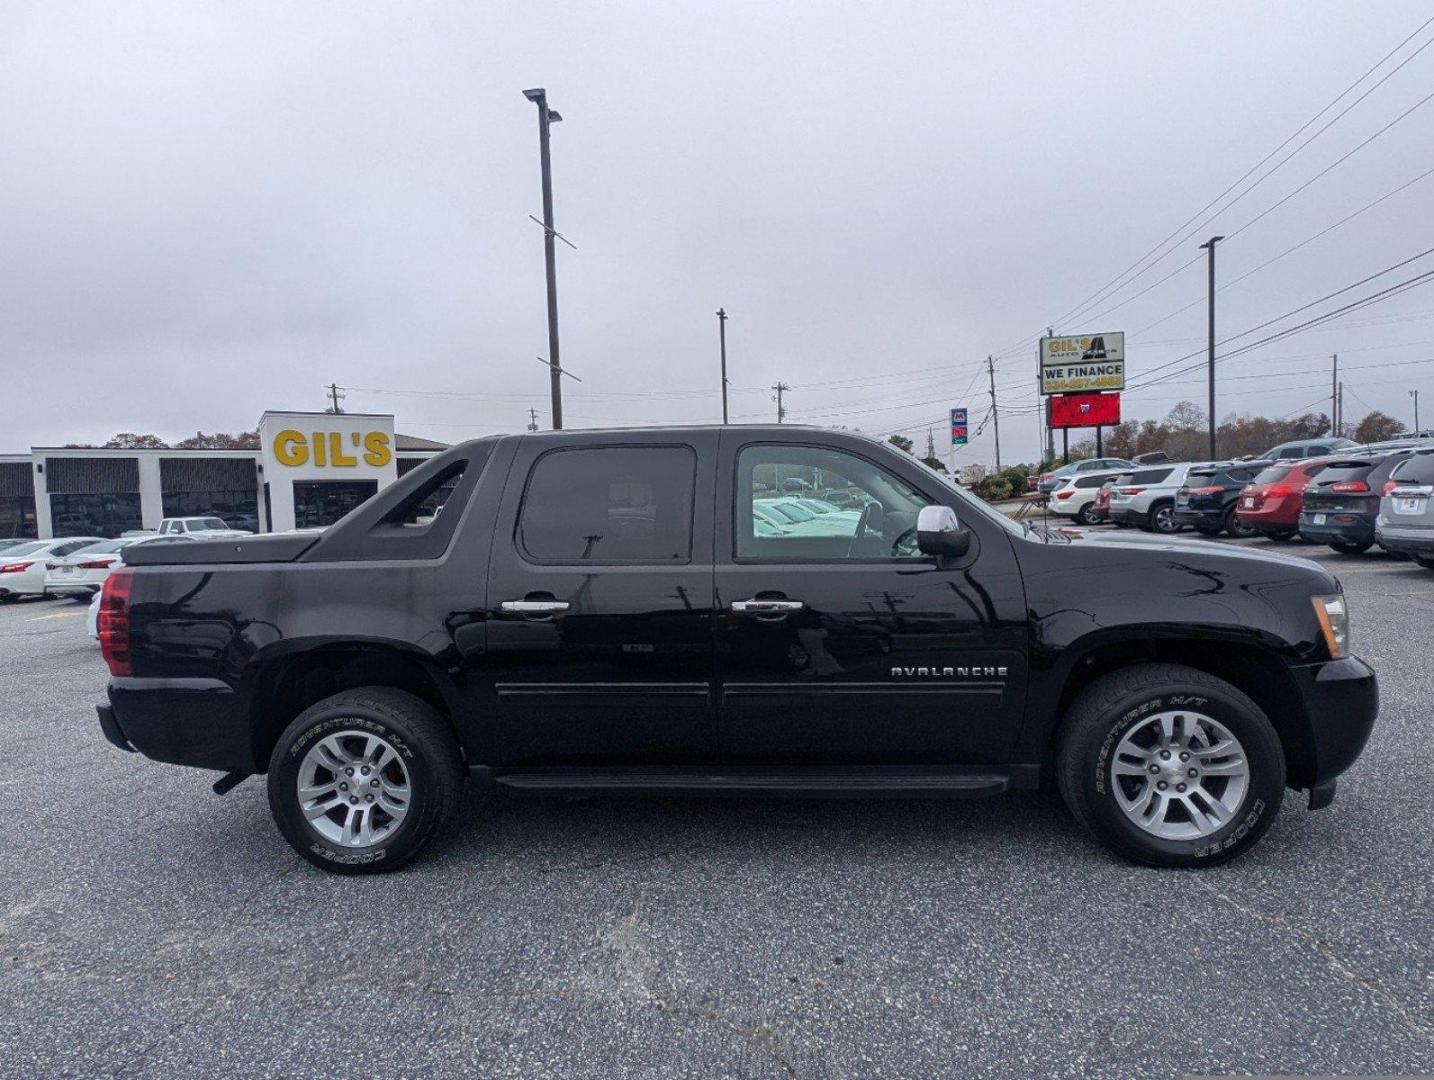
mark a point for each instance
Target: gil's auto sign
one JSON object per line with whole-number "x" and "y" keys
{"x": 1072, "y": 365}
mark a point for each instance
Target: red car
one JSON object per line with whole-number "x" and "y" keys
{"x": 1270, "y": 503}
{"x": 1100, "y": 508}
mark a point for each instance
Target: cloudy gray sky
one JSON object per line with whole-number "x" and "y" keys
{"x": 209, "y": 209}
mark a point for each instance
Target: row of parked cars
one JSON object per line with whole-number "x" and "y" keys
{"x": 78, "y": 565}
{"x": 1349, "y": 497}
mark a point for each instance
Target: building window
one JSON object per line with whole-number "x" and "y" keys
{"x": 319, "y": 503}
{"x": 95, "y": 514}
{"x": 239, "y": 509}
{"x": 17, "y": 516}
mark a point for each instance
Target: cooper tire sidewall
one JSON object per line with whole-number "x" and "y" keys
{"x": 284, "y": 798}
{"x": 1262, "y": 799}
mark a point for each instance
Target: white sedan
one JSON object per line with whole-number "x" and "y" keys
{"x": 83, "y": 572}
{"x": 22, "y": 568}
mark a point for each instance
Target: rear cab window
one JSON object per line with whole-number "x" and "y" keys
{"x": 609, "y": 504}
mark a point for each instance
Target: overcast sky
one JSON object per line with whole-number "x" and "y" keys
{"x": 210, "y": 209}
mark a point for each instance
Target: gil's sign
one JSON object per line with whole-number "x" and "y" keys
{"x": 1072, "y": 365}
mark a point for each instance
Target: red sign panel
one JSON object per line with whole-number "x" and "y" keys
{"x": 1083, "y": 410}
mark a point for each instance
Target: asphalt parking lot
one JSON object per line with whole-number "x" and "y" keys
{"x": 148, "y": 927}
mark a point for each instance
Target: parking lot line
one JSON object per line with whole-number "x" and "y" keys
{"x": 56, "y": 615}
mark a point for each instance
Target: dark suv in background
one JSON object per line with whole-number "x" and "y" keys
{"x": 1341, "y": 504}
{"x": 1207, "y": 501}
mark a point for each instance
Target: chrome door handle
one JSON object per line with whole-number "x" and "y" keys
{"x": 767, "y": 607}
{"x": 533, "y": 607}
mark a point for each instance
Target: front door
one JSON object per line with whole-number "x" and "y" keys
{"x": 840, "y": 643}
{"x": 599, "y": 610}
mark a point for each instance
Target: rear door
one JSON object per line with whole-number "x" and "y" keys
{"x": 600, "y": 600}
{"x": 847, "y": 645}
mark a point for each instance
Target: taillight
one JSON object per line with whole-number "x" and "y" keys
{"x": 1064, "y": 494}
{"x": 1129, "y": 491}
{"x": 1279, "y": 491}
{"x": 97, "y": 564}
{"x": 1046, "y": 478}
{"x": 1206, "y": 490}
{"x": 1349, "y": 487}
{"x": 114, "y": 622}
{"x": 1389, "y": 485}
{"x": 15, "y": 567}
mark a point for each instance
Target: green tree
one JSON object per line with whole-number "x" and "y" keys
{"x": 901, "y": 442}
{"x": 243, "y": 440}
{"x": 128, "y": 440}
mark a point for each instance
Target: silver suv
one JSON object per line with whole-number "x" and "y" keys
{"x": 1147, "y": 499}
{"x": 1406, "y": 511}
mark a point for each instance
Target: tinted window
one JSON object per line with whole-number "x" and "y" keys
{"x": 1418, "y": 469}
{"x": 1343, "y": 470}
{"x": 1090, "y": 481}
{"x": 875, "y": 515}
{"x": 1290, "y": 452}
{"x": 1317, "y": 451}
{"x": 1243, "y": 475}
{"x": 1150, "y": 476}
{"x": 1273, "y": 473}
{"x": 610, "y": 504}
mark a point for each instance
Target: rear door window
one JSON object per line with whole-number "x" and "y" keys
{"x": 609, "y": 504}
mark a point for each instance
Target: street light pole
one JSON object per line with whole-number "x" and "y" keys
{"x": 1209, "y": 246}
{"x": 546, "y": 117}
{"x": 722, "y": 334}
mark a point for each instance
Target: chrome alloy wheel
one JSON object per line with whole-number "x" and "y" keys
{"x": 353, "y": 788}
{"x": 1180, "y": 775}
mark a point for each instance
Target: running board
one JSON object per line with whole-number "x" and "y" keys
{"x": 826, "y": 782}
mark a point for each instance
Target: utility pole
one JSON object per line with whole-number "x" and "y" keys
{"x": 722, "y": 335}
{"x": 1334, "y": 397}
{"x": 532, "y": 419}
{"x": 1340, "y": 407}
{"x": 546, "y": 117}
{"x": 1209, "y": 246}
{"x": 781, "y": 388}
{"x": 335, "y": 397}
{"x": 1050, "y": 432}
{"x": 995, "y": 415}
{"x": 1415, "y": 395}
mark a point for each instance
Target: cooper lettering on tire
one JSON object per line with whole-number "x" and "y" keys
{"x": 1169, "y": 765}
{"x": 361, "y": 781}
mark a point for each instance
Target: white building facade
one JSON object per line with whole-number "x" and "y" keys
{"x": 309, "y": 470}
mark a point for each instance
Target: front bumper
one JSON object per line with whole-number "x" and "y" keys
{"x": 1358, "y": 528}
{"x": 1341, "y": 702}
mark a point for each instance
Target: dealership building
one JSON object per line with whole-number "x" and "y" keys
{"x": 309, "y": 470}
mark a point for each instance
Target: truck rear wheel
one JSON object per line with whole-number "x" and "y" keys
{"x": 1170, "y": 766}
{"x": 361, "y": 781}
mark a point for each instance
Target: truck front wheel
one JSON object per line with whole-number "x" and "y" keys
{"x": 361, "y": 781}
{"x": 1170, "y": 766}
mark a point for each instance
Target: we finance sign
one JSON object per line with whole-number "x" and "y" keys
{"x": 1074, "y": 365}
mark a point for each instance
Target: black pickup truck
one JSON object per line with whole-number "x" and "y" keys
{"x": 746, "y": 610}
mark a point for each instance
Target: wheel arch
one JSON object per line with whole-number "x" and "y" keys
{"x": 1258, "y": 672}
{"x": 286, "y": 686}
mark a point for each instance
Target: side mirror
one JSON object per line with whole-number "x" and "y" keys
{"x": 939, "y": 533}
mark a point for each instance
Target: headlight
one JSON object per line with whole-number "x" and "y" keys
{"x": 1333, "y": 618}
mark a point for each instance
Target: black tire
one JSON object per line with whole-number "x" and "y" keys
{"x": 1161, "y": 519}
{"x": 1086, "y": 515}
{"x": 1426, "y": 561}
{"x": 1206, "y": 530}
{"x": 1345, "y": 548}
{"x": 428, "y": 750}
{"x": 1237, "y": 528}
{"x": 1112, "y": 705}
{"x": 1280, "y": 535}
